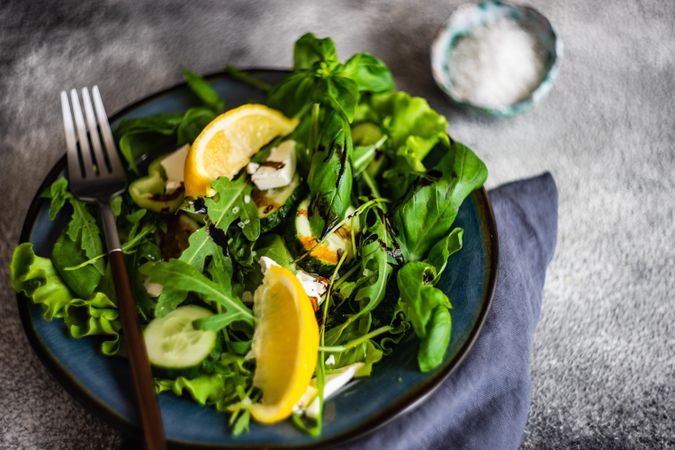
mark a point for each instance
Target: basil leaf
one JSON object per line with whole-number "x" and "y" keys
{"x": 293, "y": 94}
{"x": 435, "y": 343}
{"x": 419, "y": 298}
{"x": 330, "y": 183}
{"x": 426, "y": 216}
{"x": 309, "y": 50}
{"x": 441, "y": 251}
{"x": 369, "y": 73}
{"x": 272, "y": 246}
{"x": 342, "y": 94}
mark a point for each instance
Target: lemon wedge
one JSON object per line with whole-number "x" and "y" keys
{"x": 226, "y": 144}
{"x": 285, "y": 344}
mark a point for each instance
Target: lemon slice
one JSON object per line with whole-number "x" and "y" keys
{"x": 285, "y": 344}
{"x": 226, "y": 145}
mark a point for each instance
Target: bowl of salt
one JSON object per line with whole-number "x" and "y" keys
{"x": 496, "y": 58}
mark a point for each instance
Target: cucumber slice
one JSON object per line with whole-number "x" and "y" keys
{"x": 275, "y": 204}
{"x": 173, "y": 343}
{"x": 323, "y": 257}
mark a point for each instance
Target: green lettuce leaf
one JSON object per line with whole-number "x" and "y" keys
{"x": 216, "y": 390}
{"x": 413, "y": 128}
{"x": 36, "y": 278}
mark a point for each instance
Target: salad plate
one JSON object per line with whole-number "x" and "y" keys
{"x": 103, "y": 384}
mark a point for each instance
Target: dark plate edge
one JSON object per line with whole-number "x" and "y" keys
{"x": 402, "y": 407}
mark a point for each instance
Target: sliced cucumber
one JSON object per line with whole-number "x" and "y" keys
{"x": 324, "y": 256}
{"x": 275, "y": 204}
{"x": 173, "y": 343}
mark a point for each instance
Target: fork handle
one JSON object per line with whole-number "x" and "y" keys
{"x": 148, "y": 408}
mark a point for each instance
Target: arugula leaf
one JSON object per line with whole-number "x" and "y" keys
{"x": 220, "y": 270}
{"x": 426, "y": 215}
{"x": 367, "y": 352}
{"x": 204, "y": 91}
{"x": 200, "y": 247}
{"x": 177, "y": 275}
{"x": 375, "y": 265}
{"x": 369, "y": 73}
{"x": 219, "y": 321}
{"x": 229, "y": 204}
{"x": 309, "y": 50}
{"x": 59, "y": 194}
{"x": 82, "y": 228}
{"x": 375, "y": 270}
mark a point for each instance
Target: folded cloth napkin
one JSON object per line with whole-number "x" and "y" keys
{"x": 484, "y": 403}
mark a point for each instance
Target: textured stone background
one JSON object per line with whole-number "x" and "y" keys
{"x": 603, "y": 361}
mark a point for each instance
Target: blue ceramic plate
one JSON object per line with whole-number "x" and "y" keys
{"x": 396, "y": 385}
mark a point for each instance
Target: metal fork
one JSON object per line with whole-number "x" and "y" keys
{"x": 96, "y": 175}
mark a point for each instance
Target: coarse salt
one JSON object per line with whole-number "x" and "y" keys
{"x": 496, "y": 65}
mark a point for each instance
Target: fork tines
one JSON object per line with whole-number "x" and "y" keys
{"x": 91, "y": 148}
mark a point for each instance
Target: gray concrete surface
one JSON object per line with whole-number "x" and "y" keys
{"x": 603, "y": 361}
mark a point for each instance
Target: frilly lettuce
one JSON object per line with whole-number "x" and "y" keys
{"x": 215, "y": 390}
{"x": 37, "y": 279}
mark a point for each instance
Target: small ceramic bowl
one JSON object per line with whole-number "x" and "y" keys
{"x": 470, "y": 16}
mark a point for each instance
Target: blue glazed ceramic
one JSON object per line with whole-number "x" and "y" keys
{"x": 396, "y": 385}
{"x": 470, "y": 16}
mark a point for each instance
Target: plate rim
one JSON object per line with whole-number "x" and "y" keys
{"x": 401, "y": 407}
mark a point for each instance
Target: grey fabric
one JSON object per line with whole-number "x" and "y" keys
{"x": 603, "y": 354}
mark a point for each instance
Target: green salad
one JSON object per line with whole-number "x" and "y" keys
{"x": 302, "y": 238}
